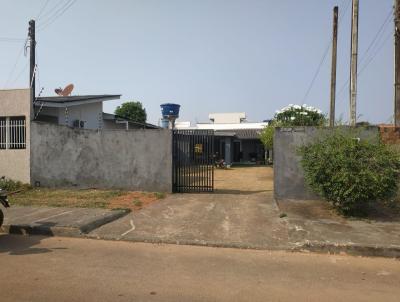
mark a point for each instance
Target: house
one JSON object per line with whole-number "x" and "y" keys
{"x": 235, "y": 139}
{"x": 82, "y": 111}
{"x": 69, "y": 142}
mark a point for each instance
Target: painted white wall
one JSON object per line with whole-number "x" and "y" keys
{"x": 92, "y": 114}
{"x": 227, "y": 118}
{"x": 257, "y": 126}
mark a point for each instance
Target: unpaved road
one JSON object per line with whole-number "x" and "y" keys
{"x": 66, "y": 269}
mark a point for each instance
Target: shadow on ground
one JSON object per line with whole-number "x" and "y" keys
{"x": 21, "y": 245}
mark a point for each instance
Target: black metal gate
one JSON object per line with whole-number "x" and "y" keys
{"x": 193, "y": 162}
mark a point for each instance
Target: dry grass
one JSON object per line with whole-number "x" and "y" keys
{"x": 88, "y": 198}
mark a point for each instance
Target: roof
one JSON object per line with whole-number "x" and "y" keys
{"x": 65, "y": 101}
{"x": 113, "y": 117}
{"x": 240, "y": 133}
{"x": 231, "y": 126}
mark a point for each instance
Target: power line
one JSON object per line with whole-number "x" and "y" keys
{"x": 376, "y": 52}
{"x": 324, "y": 55}
{"x": 372, "y": 57}
{"x": 15, "y": 64}
{"x": 388, "y": 18}
{"x": 19, "y": 74}
{"x": 317, "y": 72}
{"x": 42, "y": 9}
{"x": 373, "y": 45}
{"x": 51, "y": 10}
{"x": 11, "y": 40}
{"x": 57, "y": 15}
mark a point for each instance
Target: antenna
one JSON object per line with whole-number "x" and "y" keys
{"x": 66, "y": 91}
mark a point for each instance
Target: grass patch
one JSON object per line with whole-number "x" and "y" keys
{"x": 87, "y": 198}
{"x": 10, "y": 185}
{"x": 65, "y": 198}
{"x": 159, "y": 195}
{"x": 138, "y": 203}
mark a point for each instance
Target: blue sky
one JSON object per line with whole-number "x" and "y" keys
{"x": 254, "y": 56}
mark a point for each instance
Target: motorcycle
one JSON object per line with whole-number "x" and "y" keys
{"x": 4, "y": 203}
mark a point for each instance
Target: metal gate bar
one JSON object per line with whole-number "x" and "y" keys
{"x": 193, "y": 161}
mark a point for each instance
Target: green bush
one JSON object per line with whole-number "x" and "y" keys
{"x": 12, "y": 185}
{"x": 267, "y": 137}
{"x": 349, "y": 172}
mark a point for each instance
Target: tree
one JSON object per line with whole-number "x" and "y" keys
{"x": 267, "y": 136}
{"x": 133, "y": 111}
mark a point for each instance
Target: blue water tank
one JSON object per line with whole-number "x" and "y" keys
{"x": 170, "y": 110}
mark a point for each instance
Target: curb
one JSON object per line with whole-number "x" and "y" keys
{"x": 349, "y": 249}
{"x": 63, "y": 231}
{"x": 216, "y": 244}
{"x": 313, "y": 247}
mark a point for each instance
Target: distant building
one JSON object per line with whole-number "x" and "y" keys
{"x": 236, "y": 139}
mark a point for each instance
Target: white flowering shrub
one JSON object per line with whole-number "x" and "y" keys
{"x": 292, "y": 116}
{"x": 296, "y": 115}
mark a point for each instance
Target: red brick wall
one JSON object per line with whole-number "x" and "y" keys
{"x": 389, "y": 134}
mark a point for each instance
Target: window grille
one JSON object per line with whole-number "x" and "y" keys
{"x": 3, "y": 133}
{"x": 12, "y": 132}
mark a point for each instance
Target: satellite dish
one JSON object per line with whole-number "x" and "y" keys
{"x": 66, "y": 91}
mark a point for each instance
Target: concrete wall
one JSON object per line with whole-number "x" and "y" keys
{"x": 134, "y": 159}
{"x": 288, "y": 175}
{"x": 14, "y": 164}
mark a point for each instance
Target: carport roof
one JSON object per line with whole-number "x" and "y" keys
{"x": 65, "y": 101}
{"x": 240, "y": 133}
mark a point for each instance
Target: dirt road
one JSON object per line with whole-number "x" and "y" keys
{"x": 62, "y": 269}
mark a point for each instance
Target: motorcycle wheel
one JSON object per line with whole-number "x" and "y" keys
{"x": 1, "y": 218}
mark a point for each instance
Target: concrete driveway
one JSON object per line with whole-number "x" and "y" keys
{"x": 241, "y": 213}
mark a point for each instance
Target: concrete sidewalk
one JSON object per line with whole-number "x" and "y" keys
{"x": 315, "y": 226}
{"x": 71, "y": 222}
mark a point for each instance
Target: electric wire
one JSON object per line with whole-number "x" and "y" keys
{"x": 325, "y": 53}
{"x": 56, "y": 16}
{"x": 11, "y": 40}
{"x": 372, "y": 46}
{"x": 15, "y": 64}
{"x": 42, "y": 9}
{"x": 51, "y": 10}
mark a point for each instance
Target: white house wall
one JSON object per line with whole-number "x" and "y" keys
{"x": 15, "y": 163}
{"x": 91, "y": 113}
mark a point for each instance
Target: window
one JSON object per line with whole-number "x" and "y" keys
{"x": 3, "y": 133}
{"x": 12, "y": 132}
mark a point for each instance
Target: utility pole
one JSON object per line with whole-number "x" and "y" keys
{"x": 333, "y": 67}
{"x": 32, "y": 64}
{"x": 353, "y": 64}
{"x": 397, "y": 63}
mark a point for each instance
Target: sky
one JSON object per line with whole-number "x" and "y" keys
{"x": 253, "y": 56}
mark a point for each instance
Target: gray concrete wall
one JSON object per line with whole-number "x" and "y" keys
{"x": 134, "y": 159}
{"x": 14, "y": 164}
{"x": 289, "y": 180}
